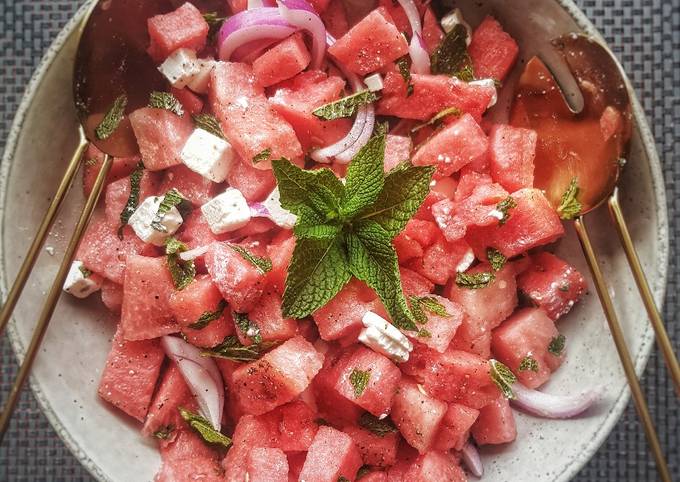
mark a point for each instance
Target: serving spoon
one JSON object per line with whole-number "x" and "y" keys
{"x": 586, "y": 147}
{"x": 111, "y": 61}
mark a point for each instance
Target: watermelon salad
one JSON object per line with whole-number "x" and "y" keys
{"x": 327, "y": 262}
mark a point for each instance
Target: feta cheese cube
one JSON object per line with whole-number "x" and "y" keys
{"x": 81, "y": 282}
{"x": 383, "y": 337}
{"x": 144, "y": 216}
{"x": 453, "y": 18}
{"x": 488, "y": 83}
{"x": 281, "y": 217}
{"x": 374, "y": 82}
{"x": 199, "y": 82}
{"x": 227, "y": 212}
{"x": 180, "y": 67}
{"x": 208, "y": 155}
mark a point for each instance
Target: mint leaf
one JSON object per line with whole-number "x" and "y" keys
{"x": 502, "y": 377}
{"x": 379, "y": 427}
{"x": 204, "y": 428}
{"x": 84, "y": 271}
{"x": 556, "y": 346}
{"x": 438, "y": 117}
{"x": 208, "y": 316}
{"x": 317, "y": 271}
{"x": 405, "y": 189}
{"x": 182, "y": 272}
{"x": 421, "y": 304}
{"x": 474, "y": 281}
{"x": 495, "y": 258}
{"x": 528, "y": 363}
{"x": 320, "y": 231}
{"x": 405, "y": 71}
{"x": 451, "y": 56}
{"x": 208, "y": 123}
{"x": 171, "y": 199}
{"x": 133, "y": 198}
{"x": 570, "y": 207}
{"x": 247, "y": 327}
{"x": 263, "y": 264}
{"x": 504, "y": 207}
{"x": 112, "y": 118}
{"x": 167, "y": 101}
{"x": 372, "y": 259}
{"x": 365, "y": 177}
{"x": 345, "y": 107}
{"x": 359, "y": 380}
{"x": 264, "y": 155}
{"x": 232, "y": 349}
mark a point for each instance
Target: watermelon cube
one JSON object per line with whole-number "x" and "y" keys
{"x": 455, "y": 428}
{"x": 195, "y": 232}
{"x": 254, "y": 184}
{"x": 406, "y": 248}
{"x": 442, "y": 260}
{"x": 527, "y": 334}
{"x": 433, "y": 466}
{"x": 147, "y": 289}
{"x": 118, "y": 192}
{"x": 266, "y": 465}
{"x": 425, "y": 211}
{"x": 93, "y": 159}
{"x": 454, "y": 146}
{"x": 184, "y": 27}
{"x": 248, "y": 121}
{"x": 335, "y": 18}
{"x": 371, "y": 44}
{"x": 397, "y": 150}
{"x": 511, "y": 153}
{"x": 319, "y": 6}
{"x": 296, "y": 100}
{"x": 112, "y": 296}
{"x": 376, "y": 450}
{"x": 280, "y": 252}
{"x": 250, "y": 432}
{"x": 341, "y": 316}
{"x": 296, "y": 460}
{"x": 414, "y": 284}
{"x": 331, "y": 405}
{"x": 417, "y": 415}
{"x": 474, "y": 336}
{"x": 282, "y": 61}
{"x": 194, "y": 187}
{"x": 129, "y": 377}
{"x": 164, "y": 416}
{"x": 468, "y": 181}
{"x": 438, "y": 331}
{"x": 278, "y": 377}
{"x": 268, "y": 317}
{"x": 331, "y": 456}
{"x": 240, "y": 282}
{"x": 237, "y": 6}
{"x": 492, "y": 50}
{"x": 431, "y": 95}
{"x": 188, "y": 457}
{"x": 425, "y": 232}
{"x": 192, "y": 103}
{"x": 383, "y": 377}
{"x": 295, "y": 425}
{"x": 398, "y": 15}
{"x": 495, "y": 424}
{"x": 161, "y": 135}
{"x": 375, "y": 476}
{"x": 432, "y": 32}
{"x": 552, "y": 284}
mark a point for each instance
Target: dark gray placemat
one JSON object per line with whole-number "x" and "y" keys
{"x": 645, "y": 35}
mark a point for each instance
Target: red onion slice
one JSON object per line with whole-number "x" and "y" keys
{"x": 346, "y": 156}
{"x": 553, "y": 406}
{"x": 249, "y": 26}
{"x": 251, "y": 34}
{"x": 202, "y": 376}
{"x": 472, "y": 460}
{"x": 420, "y": 59}
{"x": 193, "y": 253}
{"x": 301, "y": 14}
{"x": 324, "y": 155}
{"x": 413, "y": 15}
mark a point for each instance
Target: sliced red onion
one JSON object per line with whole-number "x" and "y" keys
{"x": 346, "y": 156}
{"x": 193, "y": 253}
{"x": 472, "y": 460}
{"x": 302, "y": 15}
{"x": 260, "y": 3}
{"x": 413, "y": 15}
{"x": 553, "y": 406}
{"x": 249, "y": 26}
{"x": 420, "y": 59}
{"x": 327, "y": 153}
{"x": 202, "y": 376}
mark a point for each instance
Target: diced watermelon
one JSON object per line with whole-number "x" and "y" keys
{"x": 237, "y": 6}
{"x": 129, "y": 377}
{"x": 431, "y": 95}
{"x": 164, "y": 415}
{"x": 453, "y": 376}
{"x": 161, "y": 135}
{"x": 454, "y": 146}
{"x": 146, "y": 299}
{"x": 455, "y": 427}
{"x": 439, "y": 330}
{"x": 296, "y": 460}
{"x": 181, "y": 28}
{"x": 280, "y": 252}
{"x": 335, "y": 18}
{"x": 195, "y": 232}
{"x": 473, "y": 336}
{"x": 384, "y": 376}
{"x": 468, "y": 181}
{"x": 552, "y": 284}
{"x": 442, "y": 260}
{"x": 331, "y": 405}
{"x": 433, "y": 466}
{"x": 197, "y": 299}
{"x": 398, "y": 15}
{"x": 296, "y": 99}
{"x": 376, "y": 450}
{"x": 406, "y": 248}
{"x": 250, "y": 432}
{"x": 319, "y": 5}
{"x": 397, "y": 150}
{"x": 295, "y": 424}
{"x": 425, "y": 232}
{"x": 375, "y": 476}
{"x": 268, "y": 317}
{"x": 118, "y": 192}
{"x": 254, "y": 184}
{"x": 112, "y": 296}
{"x": 93, "y": 159}
{"x": 371, "y": 44}
{"x": 240, "y": 282}
{"x": 331, "y": 456}
{"x": 341, "y": 316}
{"x": 445, "y": 186}
{"x": 248, "y": 121}
{"x": 417, "y": 415}
{"x": 414, "y": 284}
{"x": 511, "y": 152}
{"x": 266, "y": 465}
{"x": 188, "y": 457}
{"x": 432, "y": 32}
{"x": 282, "y": 61}
{"x": 425, "y": 211}
{"x": 492, "y": 50}
{"x": 193, "y": 186}
{"x": 278, "y": 377}
{"x": 495, "y": 424}
{"x": 527, "y": 333}
{"x": 102, "y": 251}
{"x": 192, "y": 103}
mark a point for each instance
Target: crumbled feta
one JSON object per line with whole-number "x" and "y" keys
{"x": 199, "y": 82}
{"x": 208, "y": 155}
{"x": 374, "y": 82}
{"x": 142, "y": 219}
{"x": 227, "y": 212}
{"x": 466, "y": 261}
{"x": 383, "y": 337}
{"x": 453, "y": 18}
{"x": 80, "y": 282}
{"x": 180, "y": 67}
{"x": 281, "y": 217}
{"x": 488, "y": 83}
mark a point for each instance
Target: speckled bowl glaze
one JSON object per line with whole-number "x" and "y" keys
{"x": 109, "y": 444}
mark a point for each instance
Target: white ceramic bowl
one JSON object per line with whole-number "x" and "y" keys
{"x": 68, "y": 367}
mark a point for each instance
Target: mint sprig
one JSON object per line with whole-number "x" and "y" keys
{"x": 347, "y": 230}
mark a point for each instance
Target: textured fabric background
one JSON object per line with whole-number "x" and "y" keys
{"x": 645, "y": 35}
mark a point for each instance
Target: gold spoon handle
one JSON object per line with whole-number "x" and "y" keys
{"x": 53, "y": 297}
{"x": 645, "y": 293}
{"x": 622, "y": 349}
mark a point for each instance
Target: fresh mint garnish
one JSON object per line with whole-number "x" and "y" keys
{"x": 570, "y": 207}
{"x": 421, "y": 304}
{"x": 438, "y": 117}
{"x": 347, "y": 230}
{"x": 502, "y": 377}
{"x": 112, "y": 118}
{"x": 556, "y": 346}
{"x": 182, "y": 272}
{"x": 528, "y": 363}
{"x": 247, "y": 327}
{"x": 214, "y": 21}
{"x": 172, "y": 199}
{"x": 208, "y": 123}
{"x": 504, "y": 207}
{"x": 167, "y": 101}
{"x": 451, "y": 57}
{"x": 495, "y": 258}
{"x": 345, "y": 107}
{"x": 204, "y": 428}
{"x": 379, "y": 427}
{"x": 208, "y": 316}
{"x": 264, "y": 155}
{"x": 84, "y": 271}
{"x": 359, "y": 381}
{"x": 263, "y": 264}
{"x": 133, "y": 198}
{"x": 164, "y": 432}
{"x": 232, "y": 349}
{"x": 405, "y": 71}
{"x": 474, "y": 281}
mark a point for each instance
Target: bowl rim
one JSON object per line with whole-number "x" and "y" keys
{"x": 641, "y": 358}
